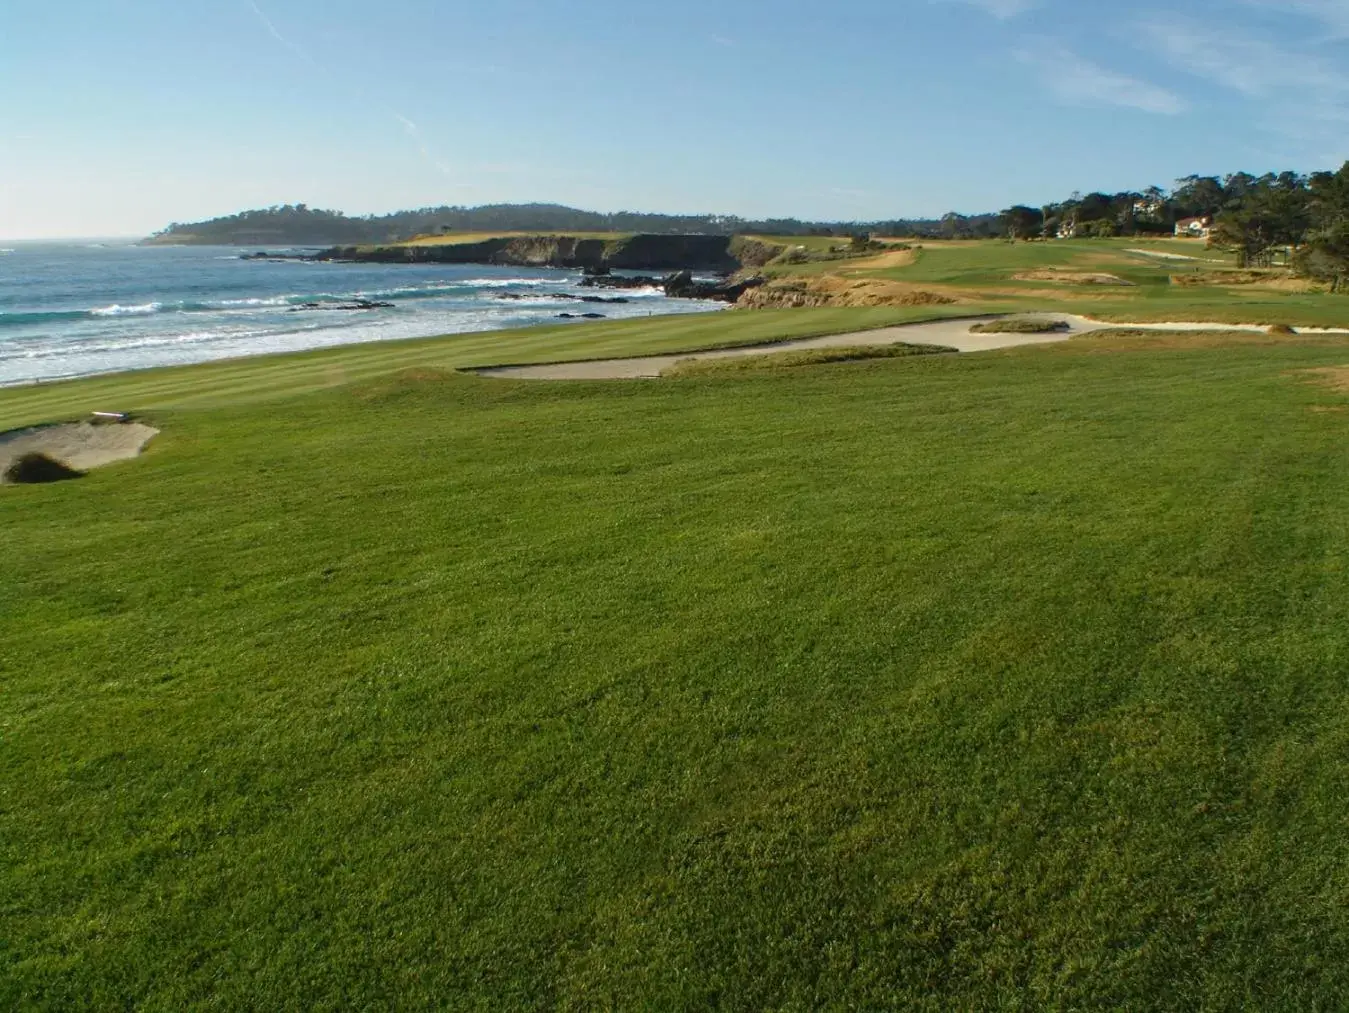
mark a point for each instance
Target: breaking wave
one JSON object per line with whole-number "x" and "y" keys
{"x": 69, "y": 312}
{"x": 294, "y": 300}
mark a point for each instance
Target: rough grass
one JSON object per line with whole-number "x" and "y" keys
{"x": 836, "y": 291}
{"x": 1135, "y": 339}
{"x": 1015, "y": 325}
{"x": 946, "y": 682}
{"x": 802, "y": 357}
{"x": 811, "y": 244}
{"x": 1205, "y": 278}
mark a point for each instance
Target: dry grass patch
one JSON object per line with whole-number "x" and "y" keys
{"x": 1272, "y": 281}
{"x": 837, "y": 290}
{"x": 1016, "y": 325}
{"x": 1128, "y": 339}
{"x": 1334, "y": 378}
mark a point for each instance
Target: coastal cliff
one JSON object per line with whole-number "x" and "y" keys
{"x": 717, "y": 254}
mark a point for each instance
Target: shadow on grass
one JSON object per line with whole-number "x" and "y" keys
{"x": 37, "y": 469}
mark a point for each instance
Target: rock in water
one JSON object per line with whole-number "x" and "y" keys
{"x": 682, "y": 285}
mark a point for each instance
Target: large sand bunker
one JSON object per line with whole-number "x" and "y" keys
{"x": 79, "y": 446}
{"x": 957, "y": 335}
{"x": 1067, "y": 277}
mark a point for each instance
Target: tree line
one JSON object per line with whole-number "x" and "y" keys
{"x": 301, "y": 225}
{"x": 1301, "y": 219}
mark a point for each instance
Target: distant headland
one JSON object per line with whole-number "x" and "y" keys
{"x": 301, "y": 225}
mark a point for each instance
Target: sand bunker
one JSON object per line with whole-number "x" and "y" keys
{"x": 889, "y": 259}
{"x": 952, "y": 334}
{"x": 1162, "y": 255}
{"x": 955, "y": 334}
{"x": 79, "y": 446}
{"x": 1071, "y": 277}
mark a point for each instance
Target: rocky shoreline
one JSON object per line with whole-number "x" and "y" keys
{"x": 714, "y": 254}
{"x": 678, "y": 256}
{"x": 680, "y": 285}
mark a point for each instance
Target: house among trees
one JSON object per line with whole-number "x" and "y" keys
{"x": 1149, "y": 208}
{"x": 1195, "y": 228}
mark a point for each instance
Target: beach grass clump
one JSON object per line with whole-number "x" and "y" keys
{"x": 1021, "y": 325}
{"x": 797, "y": 358}
{"x": 36, "y": 468}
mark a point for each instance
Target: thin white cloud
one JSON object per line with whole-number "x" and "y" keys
{"x": 1247, "y": 63}
{"x": 1293, "y": 91}
{"x": 419, "y": 139}
{"x": 1332, "y": 16}
{"x": 267, "y": 23}
{"x": 409, "y": 127}
{"x": 721, "y": 40}
{"x": 1077, "y": 81}
{"x": 276, "y": 34}
{"x": 1003, "y": 10}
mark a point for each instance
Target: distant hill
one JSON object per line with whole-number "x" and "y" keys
{"x": 301, "y": 225}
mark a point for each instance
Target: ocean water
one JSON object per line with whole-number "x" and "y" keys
{"x": 75, "y": 309}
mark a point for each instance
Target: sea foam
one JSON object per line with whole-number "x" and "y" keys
{"x": 118, "y": 310}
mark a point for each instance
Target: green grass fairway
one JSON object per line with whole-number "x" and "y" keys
{"x": 239, "y": 381}
{"x": 1004, "y": 681}
{"x": 991, "y": 274}
{"x": 812, "y": 244}
{"x": 996, "y": 262}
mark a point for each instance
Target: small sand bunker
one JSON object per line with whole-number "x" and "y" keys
{"x": 889, "y": 259}
{"x": 1072, "y": 277}
{"x": 78, "y": 447}
{"x": 1161, "y": 255}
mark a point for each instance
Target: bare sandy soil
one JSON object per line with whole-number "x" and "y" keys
{"x": 953, "y": 334}
{"x": 1162, "y": 255}
{"x": 80, "y": 446}
{"x": 1072, "y": 277}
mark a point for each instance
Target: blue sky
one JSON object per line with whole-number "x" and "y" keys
{"x": 118, "y": 116}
